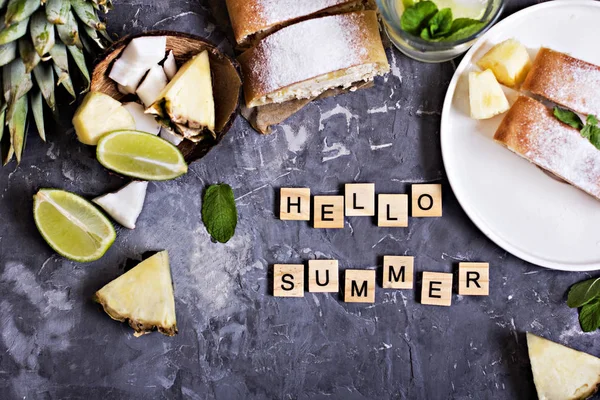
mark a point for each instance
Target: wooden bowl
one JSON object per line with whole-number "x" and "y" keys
{"x": 226, "y": 79}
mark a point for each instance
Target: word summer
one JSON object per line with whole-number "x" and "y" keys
{"x": 359, "y": 200}
{"x": 359, "y": 285}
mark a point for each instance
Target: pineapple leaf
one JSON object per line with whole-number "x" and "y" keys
{"x": 60, "y": 63}
{"x": 42, "y": 33}
{"x": 57, "y": 11}
{"x": 11, "y": 33}
{"x": 93, "y": 34}
{"x": 28, "y": 54}
{"x": 20, "y": 10}
{"x": 79, "y": 59}
{"x": 37, "y": 108}
{"x": 87, "y": 14}
{"x": 44, "y": 78}
{"x": 9, "y": 154}
{"x": 65, "y": 80}
{"x": 2, "y": 115}
{"x": 17, "y": 127}
{"x": 17, "y": 82}
{"x": 8, "y": 52}
{"x": 69, "y": 32}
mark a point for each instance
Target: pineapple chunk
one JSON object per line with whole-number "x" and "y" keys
{"x": 485, "y": 95}
{"x": 561, "y": 373}
{"x": 99, "y": 114}
{"x": 143, "y": 296}
{"x": 509, "y": 61}
{"x": 188, "y": 98}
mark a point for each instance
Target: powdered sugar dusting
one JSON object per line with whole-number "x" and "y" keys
{"x": 568, "y": 81}
{"x": 308, "y": 49}
{"x": 272, "y": 12}
{"x": 563, "y": 151}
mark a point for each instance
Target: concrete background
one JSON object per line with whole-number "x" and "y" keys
{"x": 235, "y": 340}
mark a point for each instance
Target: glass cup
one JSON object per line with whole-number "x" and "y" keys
{"x": 434, "y": 52}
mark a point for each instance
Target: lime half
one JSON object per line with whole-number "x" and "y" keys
{"x": 71, "y": 225}
{"x": 140, "y": 155}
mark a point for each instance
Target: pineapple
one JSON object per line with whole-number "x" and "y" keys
{"x": 143, "y": 296}
{"x": 98, "y": 115}
{"x": 37, "y": 38}
{"x": 509, "y": 61}
{"x": 561, "y": 373}
{"x": 187, "y": 102}
{"x": 485, "y": 95}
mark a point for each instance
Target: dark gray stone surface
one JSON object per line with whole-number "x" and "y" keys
{"x": 235, "y": 340}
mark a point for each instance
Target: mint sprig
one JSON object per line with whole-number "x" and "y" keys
{"x": 590, "y": 131}
{"x": 424, "y": 19}
{"x": 586, "y": 296}
{"x": 219, "y": 213}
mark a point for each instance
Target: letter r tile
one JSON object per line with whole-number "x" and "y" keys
{"x": 473, "y": 279}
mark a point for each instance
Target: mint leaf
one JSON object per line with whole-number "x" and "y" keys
{"x": 568, "y": 117}
{"x": 440, "y": 23}
{"x": 463, "y": 28}
{"x": 219, "y": 213}
{"x": 425, "y": 35}
{"x": 589, "y": 316}
{"x": 415, "y": 18}
{"x": 583, "y": 292}
{"x": 408, "y": 3}
{"x": 591, "y": 131}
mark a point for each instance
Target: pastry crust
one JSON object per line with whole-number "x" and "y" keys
{"x": 565, "y": 80}
{"x": 252, "y": 20}
{"x": 305, "y": 59}
{"x": 530, "y": 130}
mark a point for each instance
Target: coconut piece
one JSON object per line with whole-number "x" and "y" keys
{"x": 188, "y": 99}
{"x": 145, "y": 51}
{"x": 152, "y": 85}
{"x": 170, "y": 66}
{"x": 143, "y": 122}
{"x": 170, "y": 136}
{"x": 143, "y": 296}
{"x": 128, "y": 75}
{"x": 125, "y": 205}
{"x": 560, "y": 372}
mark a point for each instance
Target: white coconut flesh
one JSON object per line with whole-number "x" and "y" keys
{"x": 125, "y": 205}
{"x": 143, "y": 122}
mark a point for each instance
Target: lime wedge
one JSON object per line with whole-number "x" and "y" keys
{"x": 71, "y": 225}
{"x": 140, "y": 155}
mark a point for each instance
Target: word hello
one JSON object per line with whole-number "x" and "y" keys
{"x": 359, "y": 201}
{"x": 398, "y": 273}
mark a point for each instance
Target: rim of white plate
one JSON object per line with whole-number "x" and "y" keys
{"x": 467, "y": 59}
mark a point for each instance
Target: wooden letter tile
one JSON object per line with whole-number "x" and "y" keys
{"x": 294, "y": 204}
{"x": 359, "y": 286}
{"x": 323, "y": 276}
{"x": 392, "y": 210}
{"x": 288, "y": 280}
{"x": 329, "y": 211}
{"x": 427, "y": 200}
{"x": 473, "y": 279}
{"x": 398, "y": 272}
{"x": 437, "y": 289}
{"x": 360, "y": 199}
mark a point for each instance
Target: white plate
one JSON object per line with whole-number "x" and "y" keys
{"x": 514, "y": 203}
